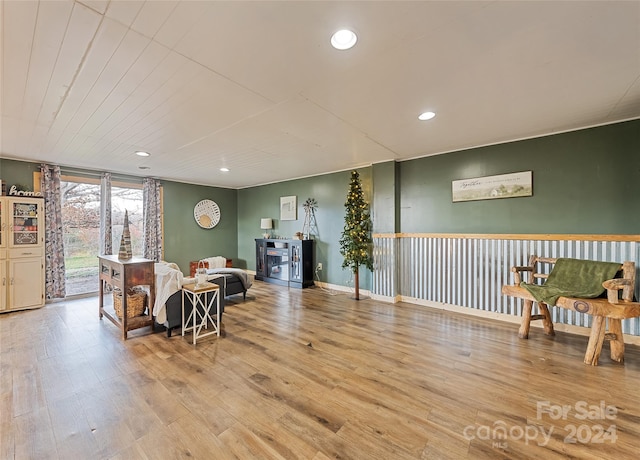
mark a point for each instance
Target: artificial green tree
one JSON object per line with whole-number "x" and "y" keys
{"x": 355, "y": 242}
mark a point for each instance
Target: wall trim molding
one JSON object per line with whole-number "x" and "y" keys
{"x": 342, "y": 289}
{"x": 525, "y": 138}
{"x": 514, "y": 236}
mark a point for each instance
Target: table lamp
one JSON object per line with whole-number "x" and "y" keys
{"x": 266, "y": 223}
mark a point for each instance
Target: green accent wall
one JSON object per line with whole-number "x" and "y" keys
{"x": 18, "y": 173}
{"x": 584, "y": 182}
{"x": 386, "y": 206}
{"x": 330, "y": 191}
{"x": 184, "y": 239}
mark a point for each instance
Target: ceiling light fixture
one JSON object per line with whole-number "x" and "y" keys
{"x": 343, "y": 39}
{"x": 144, "y": 167}
{"x": 426, "y": 116}
{"x": 224, "y": 169}
{"x": 142, "y": 154}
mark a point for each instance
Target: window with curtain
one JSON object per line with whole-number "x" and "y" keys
{"x": 82, "y": 216}
{"x": 81, "y": 209}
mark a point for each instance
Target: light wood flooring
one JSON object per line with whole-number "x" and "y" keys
{"x": 303, "y": 374}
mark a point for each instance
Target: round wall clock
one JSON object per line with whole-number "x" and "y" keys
{"x": 206, "y": 213}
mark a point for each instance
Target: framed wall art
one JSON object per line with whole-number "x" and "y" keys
{"x": 491, "y": 187}
{"x": 288, "y": 208}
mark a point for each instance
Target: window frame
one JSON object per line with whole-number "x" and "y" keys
{"x": 91, "y": 178}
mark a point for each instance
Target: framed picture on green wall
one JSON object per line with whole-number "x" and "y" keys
{"x": 288, "y": 208}
{"x": 491, "y": 187}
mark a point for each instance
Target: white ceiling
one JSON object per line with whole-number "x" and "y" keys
{"x": 256, "y": 86}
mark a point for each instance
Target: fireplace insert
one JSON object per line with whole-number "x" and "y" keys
{"x": 278, "y": 263}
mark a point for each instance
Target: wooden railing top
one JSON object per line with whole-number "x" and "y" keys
{"x": 514, "y": 236}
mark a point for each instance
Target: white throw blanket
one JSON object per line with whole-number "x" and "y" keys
{"x": 168, "y": 281}
{"x": 216, "y": 262}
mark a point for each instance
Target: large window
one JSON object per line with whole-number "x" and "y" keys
{"x": 81, "y": 228}
{"x": 130, "y": 200}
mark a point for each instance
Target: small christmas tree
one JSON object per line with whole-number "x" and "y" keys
{"x": 355, "y": 242}
{"x": 125, "y": 242}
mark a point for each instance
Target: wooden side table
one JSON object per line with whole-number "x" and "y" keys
{"x": 124, "y": 274}
{"x": 202, "y": 305}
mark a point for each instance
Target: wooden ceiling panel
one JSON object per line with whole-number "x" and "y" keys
{"x": 164, "y": 114}
{"x": 123, "y": 58}
{"x": 125, "y": 12}
{"x": 57, "y": 142}
{"x": 97, "y": 5}
{"x": 129, "y": 110}
{"x": 135, "y": 78}
{"x": 10, "y": 140}
{"x": 628, "y": 104}
{"x": 254, "y": 84}
{"x": 513, "y": 80}
{"x": 82, "y": 27}
{"x": 48, "y": 37}
{"x": 141, "y": 110}
{"x": 183, "y": 19}
{"x": 18, "y": 25}
{"x": 152, "y": 16}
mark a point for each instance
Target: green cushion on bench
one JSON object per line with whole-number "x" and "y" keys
{"x": 573, "y": 278}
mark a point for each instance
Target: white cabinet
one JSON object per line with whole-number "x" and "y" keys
{"x": 21, "y": 253}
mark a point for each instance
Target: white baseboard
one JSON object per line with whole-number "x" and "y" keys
{"x": 340, "y": 288}
{"x": 578, "y": 330}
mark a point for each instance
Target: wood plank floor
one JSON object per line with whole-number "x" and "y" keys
{"x": 303, "y": 374}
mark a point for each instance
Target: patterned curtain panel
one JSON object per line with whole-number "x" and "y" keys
{"x": 152, "y": 248}
{"x": 53, "y": 240}
{"x": 106, "y": 239}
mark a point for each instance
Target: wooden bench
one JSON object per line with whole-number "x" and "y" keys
{"x": 614, "y": 308}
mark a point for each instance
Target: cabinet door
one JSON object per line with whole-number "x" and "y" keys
{"x": 307, "y": 263}
{"x": 261, "y": 257}
{"x": 26, "y": 283}
{"x": 295, "y": 256}
{"x": 3, "y": 225}
{"x": 3, "y": 284}
{"x": 26, "y": 222}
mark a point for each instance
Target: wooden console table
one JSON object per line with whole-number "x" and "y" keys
{"x": 125, "y": 274}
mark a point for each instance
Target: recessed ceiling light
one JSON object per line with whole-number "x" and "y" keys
{"x": 142, "y": 154}
{"x": 426, "y": 116}
{"x": 144, "y": 167}
{"x": 343, "y": 39}
{"x": 224, "y": 169}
